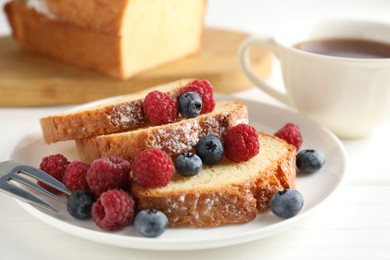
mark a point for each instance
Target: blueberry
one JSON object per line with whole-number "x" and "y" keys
{"x": 188, "y": 164}
{"x": 79, "y": 204}
{"x": 190, "y": 104}
{"x": 286, "y": 203}
{"x": 210, "y": 149}
{"x": 151, "y": 222}
{"x": 310, "y": 161}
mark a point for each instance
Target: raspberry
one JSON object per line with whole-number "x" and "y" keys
{"x": 54, "y": 165}
{"x": 113, "y": 210}
{"x": 205, "y": 91}
{"x": 241, "y": 143}
{"x": 291, "y": 134}
{"x": 74, "y": 177}
{"x": 153, "y": 168}
{"x": 108, "y": 173}
{"x": 160, "y": 108}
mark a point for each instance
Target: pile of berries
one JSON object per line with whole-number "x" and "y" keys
{"x": 92, "y": 185}
{"x": 307, "y": 160}
{"x": 196, "y": 98}
{"x": 287, "y": 203}
{"x": 100, "y": 191}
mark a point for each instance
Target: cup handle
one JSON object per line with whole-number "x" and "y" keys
{"x": 251, "y": 74}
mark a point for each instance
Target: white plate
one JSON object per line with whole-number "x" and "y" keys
{"x": 316, "y": 188}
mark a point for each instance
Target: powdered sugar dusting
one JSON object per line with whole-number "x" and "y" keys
{"x": 199, "y": 210}
{"x": 41, "y": 7}
{"x": 127, "y": 115}
{"x": 183, "y": 137}
{"x": 215, "y": 127}
{"x": 209, "y": 202}
{"x": 179, "y": 138}
{"x": 243, "y": 120}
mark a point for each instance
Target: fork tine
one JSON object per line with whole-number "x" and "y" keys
{"x": 20, "y": 179}
{"x": 14, "y": 170}
{"x": 15, "y": 191}
{"x": 44, "y": 177}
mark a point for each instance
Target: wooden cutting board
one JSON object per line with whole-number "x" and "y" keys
{"x": 28, "y": 79}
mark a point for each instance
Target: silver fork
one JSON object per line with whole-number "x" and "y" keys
{"x": 11, "y": 172}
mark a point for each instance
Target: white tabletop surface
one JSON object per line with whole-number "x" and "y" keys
{"x": 353, "y": 224}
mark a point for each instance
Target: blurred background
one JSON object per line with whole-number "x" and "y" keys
{"x": 263, "y": 15}
{"x": 360, "y": 231}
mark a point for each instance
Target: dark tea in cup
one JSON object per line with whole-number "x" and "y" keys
{"x": 348, "y": 48}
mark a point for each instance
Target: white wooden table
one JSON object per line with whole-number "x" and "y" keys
{"x": 353, "y": 224}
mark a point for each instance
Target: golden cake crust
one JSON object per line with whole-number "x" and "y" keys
{"x": 36, "y": 33}
{"x": 173, "y": 138}
{"x": 123, "y": 115}
{"x": 118, "y": 38}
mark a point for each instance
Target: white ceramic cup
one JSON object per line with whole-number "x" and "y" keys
{"x": 350, "y": 96}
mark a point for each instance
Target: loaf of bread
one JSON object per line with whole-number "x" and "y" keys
{"x": 118, "y": 38}
{"x": 173, "y": 138}
{"x": 225, "y": 193}
{"x": 112, "y": 117}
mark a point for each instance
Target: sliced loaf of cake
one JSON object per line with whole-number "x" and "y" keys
{"x": 225, "y": 193}
{"x": 112, "y": 117}
{"x": 173, "y": 138}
